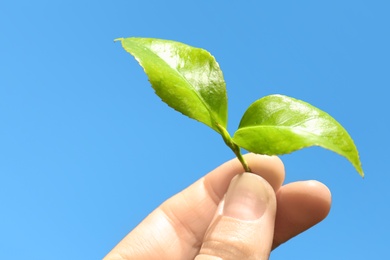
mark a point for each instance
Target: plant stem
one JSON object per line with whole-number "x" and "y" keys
{"x": 235, "y": 148}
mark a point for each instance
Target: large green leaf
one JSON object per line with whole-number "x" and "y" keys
{"x": 277, "y": 124}
{"x": 188, "y": 79}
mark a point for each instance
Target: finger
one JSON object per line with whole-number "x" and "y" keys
{"x": 192, "y": 210}
{"x": 244, "y": 225}
{"x": 301, "y": 205}
{"x": 270, "y": 168}
{"x": 178, "y": 226}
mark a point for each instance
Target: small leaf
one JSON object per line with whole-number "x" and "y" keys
{"x": 188, "y": 79}
{"x": 277, "y": 124}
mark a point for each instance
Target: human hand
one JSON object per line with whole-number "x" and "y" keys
{"x": 228, "y": 215}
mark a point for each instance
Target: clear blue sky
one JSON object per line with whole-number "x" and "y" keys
{"x": 87, "y": 150}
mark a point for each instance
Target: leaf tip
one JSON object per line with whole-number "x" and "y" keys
{"x": 361, "y": 173}
{"x": 358, "y": 167}
{"x": 118, "y": 39}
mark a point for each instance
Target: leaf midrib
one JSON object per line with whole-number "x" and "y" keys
{"x": 191, "y": 87}
{"x": 335, "y": 147}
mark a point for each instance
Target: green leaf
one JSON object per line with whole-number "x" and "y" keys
{"x": 188, "y": 79}
{"x": 277, "y": 124}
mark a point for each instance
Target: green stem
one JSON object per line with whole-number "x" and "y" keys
{"x": 235, "y": 148}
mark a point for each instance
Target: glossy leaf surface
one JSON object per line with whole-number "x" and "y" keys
{"x": 188, "y": 79}
{"x": 277, "y": 124}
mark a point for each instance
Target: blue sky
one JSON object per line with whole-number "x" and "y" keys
{"x": 87, "y": 150}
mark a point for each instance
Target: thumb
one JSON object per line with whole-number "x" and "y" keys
{"x": 243, "y": 226}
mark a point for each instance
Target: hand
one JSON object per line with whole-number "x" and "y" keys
{"x": 228, "y": 215}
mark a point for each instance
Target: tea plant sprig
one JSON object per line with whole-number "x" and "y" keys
{"x": 190, "y": 80}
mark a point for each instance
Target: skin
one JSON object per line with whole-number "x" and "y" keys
{"x": 228, "y": 215}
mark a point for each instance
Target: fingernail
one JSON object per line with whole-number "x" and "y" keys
{"x": 247, "y": 197}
